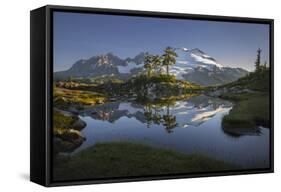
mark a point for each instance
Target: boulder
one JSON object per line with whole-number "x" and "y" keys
{"x": 74, "y": 123}
{"x": 67, "y": 146}
{"x": 79, "y": 124}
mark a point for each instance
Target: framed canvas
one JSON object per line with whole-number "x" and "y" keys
{"x": 119, "y": 95}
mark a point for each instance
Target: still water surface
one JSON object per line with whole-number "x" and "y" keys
{"x": 189, "y": 126}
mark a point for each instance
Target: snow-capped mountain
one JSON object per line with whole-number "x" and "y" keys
{"x": 190, "y": 59}
{"x": 196, "y": 66}
{"x": 192, "y": 65}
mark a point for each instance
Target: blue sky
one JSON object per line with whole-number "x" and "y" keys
{"x": 81, "y": 36}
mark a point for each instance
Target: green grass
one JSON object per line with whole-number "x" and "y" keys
{"x": 250, "y": 110}
{"x": 122, "y": 159}
{"x": 64, "y": 98}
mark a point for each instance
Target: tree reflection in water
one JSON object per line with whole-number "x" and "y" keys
{"x": 168, "y": 113}
{"x": 152, "y": 113}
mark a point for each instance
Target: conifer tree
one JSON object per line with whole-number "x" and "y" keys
{"x": 258, "y": 60}
{"x": 169, "y": 58}
{"x": 156, "y": 62}
{"x": 148, "y": 64}
{"x": 265, "y": 65}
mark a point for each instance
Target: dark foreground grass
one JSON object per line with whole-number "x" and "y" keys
{"x": 250, "y": 110}
{"x": 122, "y": 159}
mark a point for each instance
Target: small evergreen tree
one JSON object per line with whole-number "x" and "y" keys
{"x": 258, "y": 60}
{"x": 265, "y": 65}
{"x": 169, "y": 58}
{"x": 148, "y": 64}
{"x": 156, "y": 62}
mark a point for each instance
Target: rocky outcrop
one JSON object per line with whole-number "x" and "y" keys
{"x": 67, "y": 143}
{"x": 237, "y": 132}
{"x": 66, "y": 131}
{"x": 74, "y": 122}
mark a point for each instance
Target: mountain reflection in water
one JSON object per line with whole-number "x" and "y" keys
{"x": 189, "y": 126}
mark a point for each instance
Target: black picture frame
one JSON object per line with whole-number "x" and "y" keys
{"x": 41, "y": 54}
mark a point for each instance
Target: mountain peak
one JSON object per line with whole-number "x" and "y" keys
{"x": 190, "y": 60}
{"x": 197, "y": 51}
{"x": 183, "y": 49}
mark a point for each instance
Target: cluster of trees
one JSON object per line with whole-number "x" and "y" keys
{"x": 155, "y": 63}
{"x": 258, "y": 66}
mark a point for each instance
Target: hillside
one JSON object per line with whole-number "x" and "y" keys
{"x": 251, "y": 96}
{"x": 253, "y": 82}
{"x": 256, "y": 81}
